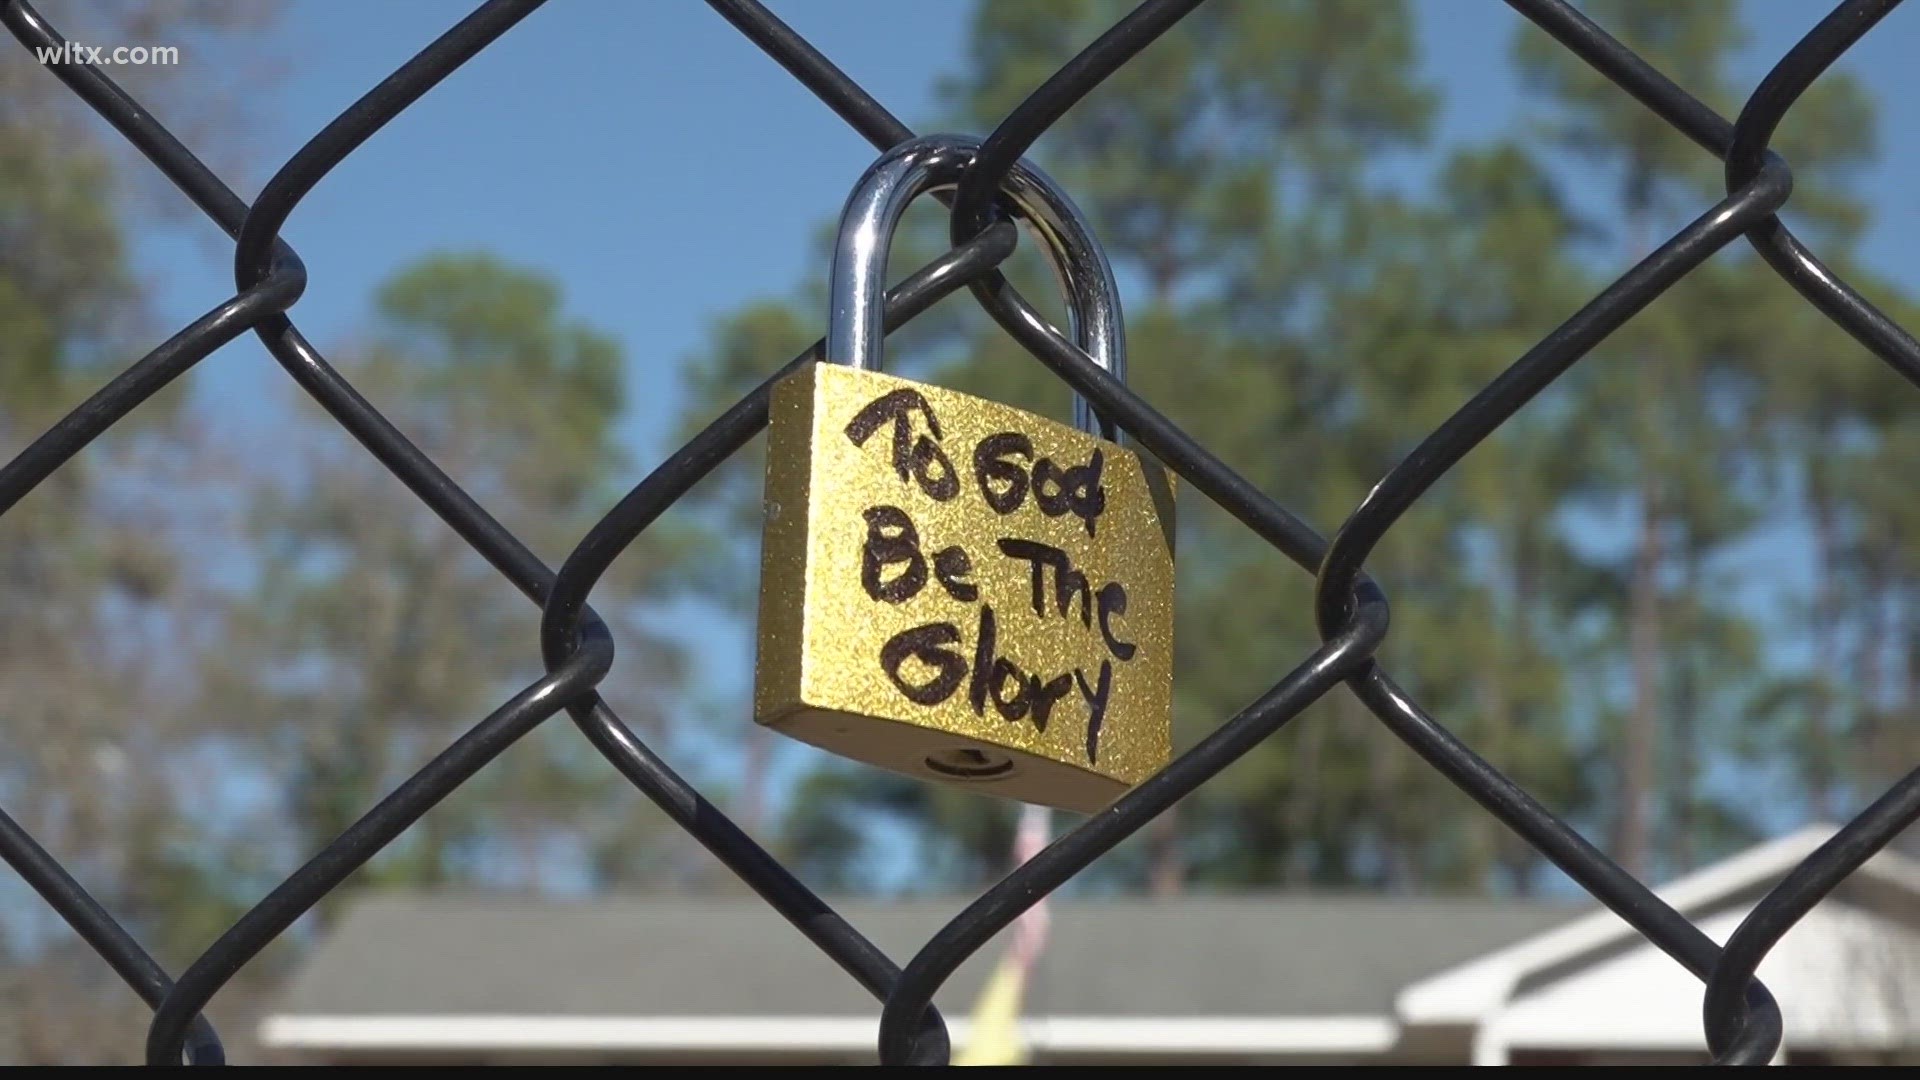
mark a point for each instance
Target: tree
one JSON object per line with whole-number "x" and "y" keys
{"x": 378, "y": 635}
{"x": 1185, "y": 159}
{"x": 1225, "y": 167}
{"x": 99, "y": 739}
{"x": 1478, "y": 571}
{"x": 1568, "y": 599}
{"x": 1689, "y": 382}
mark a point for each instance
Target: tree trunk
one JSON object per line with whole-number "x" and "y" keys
{"x": 1302, "y": 800}
{"x": 1821, "y": 738}
{"x": 1636, "y": 777}
{"x": 1868, "y": 749}
{"x": 1386, "y": 782}
{"x": 1682, "y": 802}
{"x": 1636, "y": 767}
{"x": 1906, "y": 712}
{"x": 1514, "y": 855}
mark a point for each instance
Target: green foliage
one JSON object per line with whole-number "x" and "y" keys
{"x": 383, "y": 636}
{"x": 1683, "y": 413}
{"x": 99, "y": 742}
{"x": 1563, "y": 600}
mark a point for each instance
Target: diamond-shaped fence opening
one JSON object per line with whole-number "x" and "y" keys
{"x": 1742, "y": 1022}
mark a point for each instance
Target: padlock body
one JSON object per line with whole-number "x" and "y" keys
{"x": 962, "y": 591}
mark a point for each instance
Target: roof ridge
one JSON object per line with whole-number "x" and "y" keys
{"x": 616, "y": 898}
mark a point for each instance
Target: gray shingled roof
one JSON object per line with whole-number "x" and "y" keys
{"x": 1272, "y": 956}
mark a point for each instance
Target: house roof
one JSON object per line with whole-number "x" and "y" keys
{"x": 1200, "y": 957}
{"x": 1253, "y": 978}
{"x": 1467, "y": 993}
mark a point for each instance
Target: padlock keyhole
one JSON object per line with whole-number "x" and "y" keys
{"x": 968, "y": 763}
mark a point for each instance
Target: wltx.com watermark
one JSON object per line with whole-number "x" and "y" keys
{"x": 72, "y": 52}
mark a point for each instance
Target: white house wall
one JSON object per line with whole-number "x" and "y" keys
{"x": 1844, "y": 977}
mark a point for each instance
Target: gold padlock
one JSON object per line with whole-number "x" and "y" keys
{"x": 952, "y": 588}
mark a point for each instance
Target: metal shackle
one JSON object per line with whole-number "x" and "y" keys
{"x": 857, "y": 285}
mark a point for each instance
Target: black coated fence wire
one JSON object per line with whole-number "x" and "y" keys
{"x": 1741, "y": 1021}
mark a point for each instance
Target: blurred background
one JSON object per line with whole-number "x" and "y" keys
{"x": 1676, "y": 597}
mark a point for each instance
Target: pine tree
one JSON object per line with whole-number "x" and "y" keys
{"x": 375, "y": 635}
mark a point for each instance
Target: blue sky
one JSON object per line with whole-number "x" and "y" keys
{"x": 664, "y": 171}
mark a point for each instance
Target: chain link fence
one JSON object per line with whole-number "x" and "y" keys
{"x": 1742, "y": 1021}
